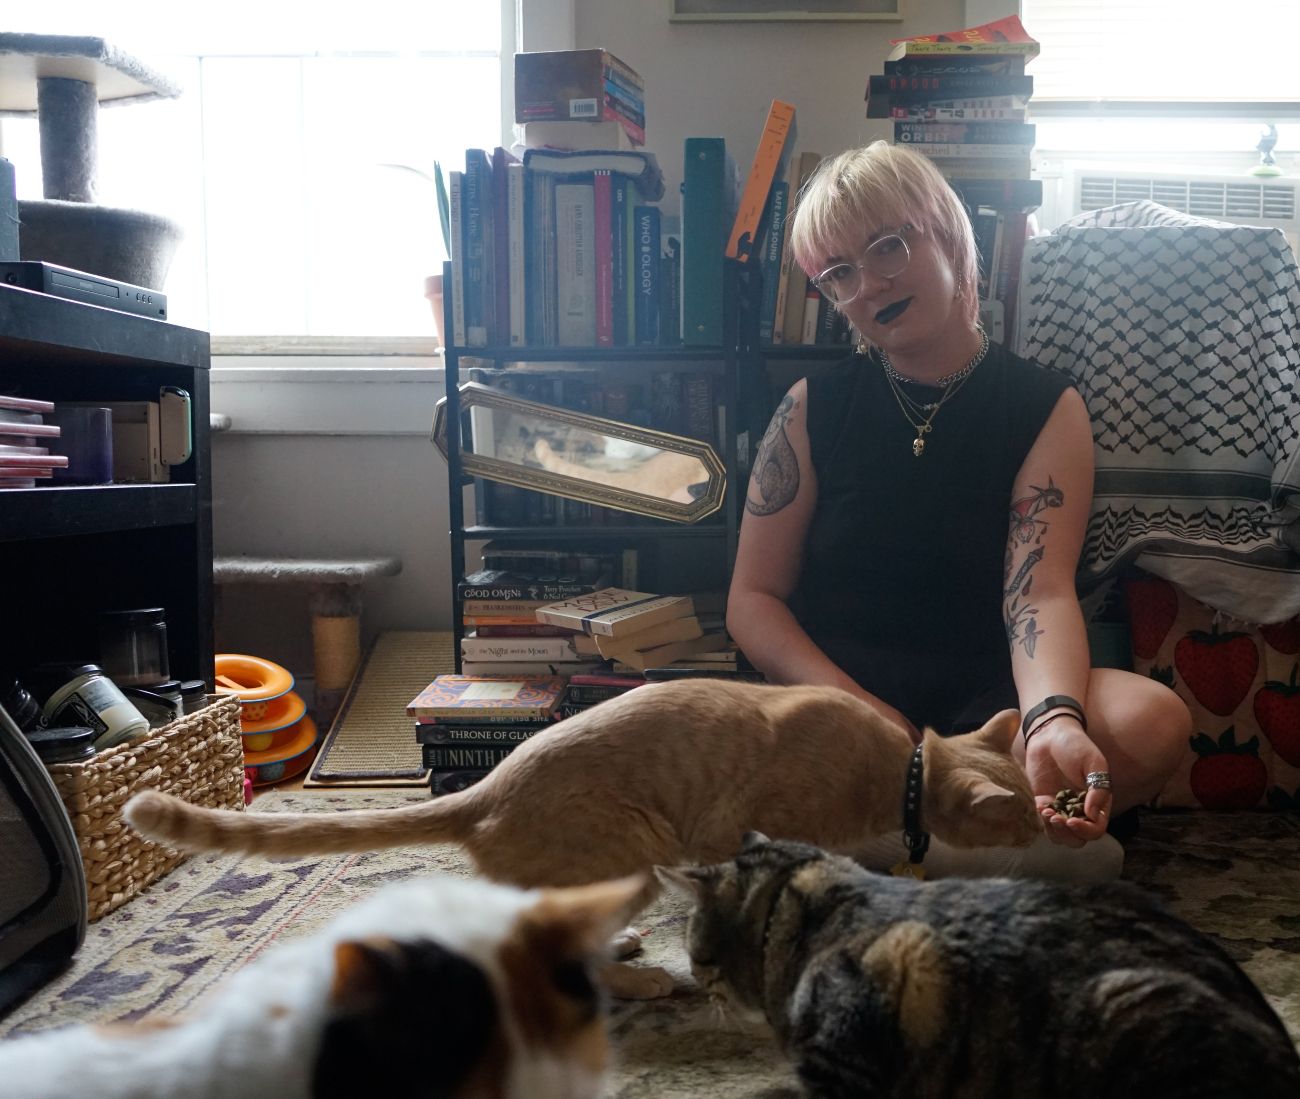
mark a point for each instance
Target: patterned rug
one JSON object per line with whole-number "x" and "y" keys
{"x": 1234, "y": 875}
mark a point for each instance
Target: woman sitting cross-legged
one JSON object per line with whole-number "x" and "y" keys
{"x": 915, "y": 517}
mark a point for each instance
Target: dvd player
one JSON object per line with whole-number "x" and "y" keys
{"x": 64, "y": 282}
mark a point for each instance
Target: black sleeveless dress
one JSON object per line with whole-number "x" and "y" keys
{"x": 901, "y": 583}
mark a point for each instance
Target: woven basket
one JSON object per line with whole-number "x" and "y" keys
{"x": 198, "y": 757}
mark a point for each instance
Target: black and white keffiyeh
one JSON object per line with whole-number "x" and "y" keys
{"x": 1181, "y": 334}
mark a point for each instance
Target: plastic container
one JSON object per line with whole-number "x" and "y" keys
{"x": 88, "y": 697}
{"x": 133, "y": 646}
{"x": 194, "y": 695}
{"x": 63, "y": 743}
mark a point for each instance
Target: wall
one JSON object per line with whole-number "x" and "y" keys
{"x": 717, "y": 79}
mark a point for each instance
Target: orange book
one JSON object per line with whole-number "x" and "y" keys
{"x": 769, "y": 160}
{"x": 1002, "y": 36}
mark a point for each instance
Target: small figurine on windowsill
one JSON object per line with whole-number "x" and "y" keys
{"x": 1267, "y": 166}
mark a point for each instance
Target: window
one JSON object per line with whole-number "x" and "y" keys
{"x": 296, "y": 160}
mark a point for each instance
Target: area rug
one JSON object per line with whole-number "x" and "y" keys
{"x": 1234, "y": 875}
{"x": 372, "y": 740}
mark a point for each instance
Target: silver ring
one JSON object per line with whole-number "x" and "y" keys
{"x": 1098, "y": 780}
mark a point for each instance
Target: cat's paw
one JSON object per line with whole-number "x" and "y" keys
{"x": 626, "y": 943}
{"x": 630, "y": 982}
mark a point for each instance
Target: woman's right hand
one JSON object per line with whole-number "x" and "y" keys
{"x": 1060, "y": 757}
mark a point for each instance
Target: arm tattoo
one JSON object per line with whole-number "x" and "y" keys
{"x": 776, "y": 470}
{"x": 1027, "y": 529}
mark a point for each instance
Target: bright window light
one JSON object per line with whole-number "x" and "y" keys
{"x": 299, "y": 158}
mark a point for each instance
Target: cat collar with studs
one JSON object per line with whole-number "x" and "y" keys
{"x": 916, "y": 839}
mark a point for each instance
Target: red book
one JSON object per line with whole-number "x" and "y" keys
{"x": 604, "y": 233}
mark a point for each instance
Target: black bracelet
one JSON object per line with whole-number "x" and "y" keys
{"x": 1048, "y": 720}
{"x": 1053, "y": 702}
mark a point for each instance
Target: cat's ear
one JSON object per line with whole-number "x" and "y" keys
{"x": 361, "y": 971}
{"x": 985, "y": 793}
{"x": 687, "y": 881}
{"x": 999, "y": 732}
{"x": 592, "y": 913}
{"x": 750, "y": 840}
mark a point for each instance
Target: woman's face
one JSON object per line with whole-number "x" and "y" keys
{"x": 916, "y": 308}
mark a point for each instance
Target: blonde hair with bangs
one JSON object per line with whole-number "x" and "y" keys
{"x": 882, "y": 185}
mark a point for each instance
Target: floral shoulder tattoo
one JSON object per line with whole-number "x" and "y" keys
{"x": 775, "y": 480}
{"x": 1027, "y": 529}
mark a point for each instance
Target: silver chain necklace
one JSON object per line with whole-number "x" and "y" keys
{"x": 925, "y": 413}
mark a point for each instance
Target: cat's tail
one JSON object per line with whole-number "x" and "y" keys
{"x": 189, "y": 827}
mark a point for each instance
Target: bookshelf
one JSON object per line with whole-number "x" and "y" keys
{"x": 67, "y": 553}
{"x": 672, "y": 557}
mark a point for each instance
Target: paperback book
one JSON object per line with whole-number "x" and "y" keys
{"x": 467, "y": 697}
{"x": 479, "y": 736}
{"x": 615, "y": 612}
{"x": 453, "y": 782}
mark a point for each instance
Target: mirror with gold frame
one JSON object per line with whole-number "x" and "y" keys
{"x": 583, "y": 457}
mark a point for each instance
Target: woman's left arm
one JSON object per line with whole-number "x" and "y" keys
{"x": 1050, "y": 503}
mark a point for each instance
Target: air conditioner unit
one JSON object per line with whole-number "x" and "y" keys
{"x": 1242, "y": 200}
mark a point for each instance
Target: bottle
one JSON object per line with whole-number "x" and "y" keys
{"x": 194, "y": 695}
{"x": 133, "y": 646}
{"x": 19, "y": 704}
{"x": 63, "y": 744}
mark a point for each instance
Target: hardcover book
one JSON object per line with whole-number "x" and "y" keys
{"x": 463, "y": 757}
{"x": 708, "y": 208}
{"x": 636, "y": 164}
{"x": 453, "y": 782}
{"x": 507, "y": 585}
{"x": 481, "y": 736}
{"x": 528, "y": 698}
{"x": 615, "y": 612}
{"x": 573, "y": 84}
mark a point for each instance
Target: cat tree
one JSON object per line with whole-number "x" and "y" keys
{"x": 63, "y": 79}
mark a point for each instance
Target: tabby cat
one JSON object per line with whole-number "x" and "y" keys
{"x": 434, "y": 987}
{"x": 669, "y": 773}
{"x": 889, "y": 987}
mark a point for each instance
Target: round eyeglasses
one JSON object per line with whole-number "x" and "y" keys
{"x": 886, "y": 258}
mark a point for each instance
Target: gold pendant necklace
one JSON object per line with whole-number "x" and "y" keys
{"x": 906, "y": 404}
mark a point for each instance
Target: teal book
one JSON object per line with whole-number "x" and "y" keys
{"x": 771, "y": 248}
{"x": 708, "y": 207}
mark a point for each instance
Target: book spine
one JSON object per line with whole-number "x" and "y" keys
{"x": 811, "y": 310}
{"x": 459, "y": 757}
{"x": 501, "y": 316}
{"x": 575, "y": 258}
{"x": 965, "y": 167}
{"x": 453, "y": 782}
{"x": 504, "y": 607}
{"x": 939, "y": 64}
{"x": 771, "y": 155}
{"x": 670, "y": 291}
{"x": 603, "y": 249}
{"x": 455, "y": 189}
{"x": 947, "y": 86}
{"x": 476, "y": 206}
{"x": 515, "y": 193}
{"x": 705, "y": 220}
{"x": 620, "y": 260}
{"x": 531, "y": 667}
{"x": 646, "y": 310}
{"x": 519, "y": 648}
{"x": 593, "y": 693}
{"x": 524, "y": 594}
{"x": 973, "y": 151}
{"x": 701, "y": 407}
{"x": 932, "y": 113}
{"x": 487, "y": 719}
{"x": 529, "y": 629}
{"x": 478, "y": 736}
{"x": 986, "y": 133}
{"x": 773, "y": 243}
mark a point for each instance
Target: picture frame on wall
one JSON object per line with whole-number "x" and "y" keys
{"x": 725, "y": 11}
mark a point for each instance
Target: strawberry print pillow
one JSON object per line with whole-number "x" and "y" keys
{"x": 1240, "y": 683}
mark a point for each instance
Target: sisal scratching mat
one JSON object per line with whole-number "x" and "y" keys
{"x": 372, "y": 740}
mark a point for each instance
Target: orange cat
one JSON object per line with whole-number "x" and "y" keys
{"x": 667, "y": 774}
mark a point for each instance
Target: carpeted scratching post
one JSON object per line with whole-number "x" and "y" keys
{"x": 334, "y": 602}
{"x": 63, "y": 79}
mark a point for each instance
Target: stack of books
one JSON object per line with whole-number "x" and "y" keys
{"x": 586, "y": 691}
{"x": 499, "y": 608}
{"x": 636, "y": 630}
{"x": 578, "y": 99}
{"x": 962, "y": 98}
{"x": 466, "y": 725}
{"x": 25, "y": 458}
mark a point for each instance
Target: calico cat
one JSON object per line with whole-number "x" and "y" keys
{"x": 890, "y": 987}
{"x": 667, "y": 774}
{"x": 434, "y": 987}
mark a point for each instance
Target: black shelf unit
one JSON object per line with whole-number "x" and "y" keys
{"x": 68, "y": 552}
{"x": 668, "y": 552}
